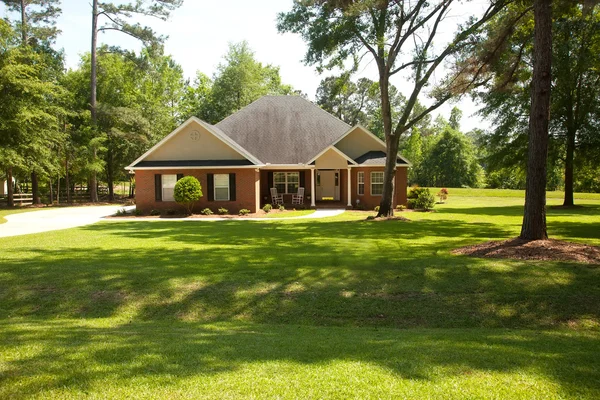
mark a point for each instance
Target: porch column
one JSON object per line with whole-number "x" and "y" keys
{"x": 313, "y": 192}
{"x": 349, "y": 189}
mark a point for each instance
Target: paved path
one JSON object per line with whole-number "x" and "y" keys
{"x": 54, "y": 219}
{"x": 324, "y": 213}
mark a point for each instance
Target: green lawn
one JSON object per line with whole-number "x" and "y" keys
{"x": 335, "y": 308}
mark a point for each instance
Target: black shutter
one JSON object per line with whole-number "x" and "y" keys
{"x": 232, "y": 187}
{"x": 270, "y": 179}
{"x": 158, "y": 187}
{"x": 210, "y": 182}
{"x": 179, "y": 176}
{"x": 302, "y": 178}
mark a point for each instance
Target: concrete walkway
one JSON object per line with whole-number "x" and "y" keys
{"x": 324, "y": 213}
{"x": 54, "y": 219}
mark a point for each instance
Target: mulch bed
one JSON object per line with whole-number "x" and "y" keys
{"x": 542, "y": 250}
{"x": 394, "y": 218}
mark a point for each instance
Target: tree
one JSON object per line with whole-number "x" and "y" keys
{"x": 239, "y": 81}
{"x": 575, "y": 101}
{"x": 118, "y": 16}
{"x": 28, "y": 110}
{"x": 37, "y": 27}
{"x": 399, "y": 36}
{"x": 187, "y": 192}
{"x": 356, "y": 103}
{"x": 534, "y": 218}
{"x": 455, "y": 117}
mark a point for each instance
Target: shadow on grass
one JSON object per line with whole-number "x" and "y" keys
{"x": 386, "y": 274}
{"x": 517, "y": 210}
{"x": 106, "y": 361}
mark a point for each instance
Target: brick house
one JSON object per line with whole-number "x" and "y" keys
{"x": 285, "y": 142}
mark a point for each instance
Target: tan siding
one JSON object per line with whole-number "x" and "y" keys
{"x": 357, "y": 143}
{"x": 331, "y": 160}
{"x": 182, "y": 147}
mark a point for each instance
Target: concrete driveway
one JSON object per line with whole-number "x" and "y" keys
{"x": 54, "y": 219}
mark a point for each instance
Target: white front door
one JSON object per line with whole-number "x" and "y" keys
{"x": 328, "y": 185}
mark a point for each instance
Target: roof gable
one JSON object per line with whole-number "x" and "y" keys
{"x": 283, "y": 129}
{"x": 192, "y": 141}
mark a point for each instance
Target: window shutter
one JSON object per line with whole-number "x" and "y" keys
{"x": 302, "y": 178}
{"x": 210, "y": 182}
{"x": 270, "y": 179}
{"x": 157, "y": 187}
{"x": 179, "y": 176}
{"x": 231, "y": 187}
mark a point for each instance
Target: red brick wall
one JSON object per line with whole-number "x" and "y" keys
{"x": 371, "y": 201}
{"x": 246, "y": 182}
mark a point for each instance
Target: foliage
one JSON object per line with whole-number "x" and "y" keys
{"x": 443, "y": 195}
{"x": 281, "y": 207}
{"x": 206, "y": 211}
{"x": 376, "y": 209}
{"x": 187, "y": 192}
{"x": 400, "y": 207}
{"x": 244, "y": 211}
{"x": 223, "y": 211}
{"x": 420, "y": 198}
{"x": 154, "y": 212}
{"x": 400, "y": 38}
{"x": 267, "y": 208}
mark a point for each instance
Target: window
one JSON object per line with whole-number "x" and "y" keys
{"x": 361, "y": 183}
{"x": 221, "y": 187}
{"x": 286, "y": 182}
{"x": 376, "y": 183}
{"x": 168, "y": 187}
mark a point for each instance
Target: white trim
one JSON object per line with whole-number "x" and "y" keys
{"x": 224, "y": 138}
{"x": 358, "y": 183}
{"x": 184, "y": 167}
{"x": 313, "y": 192}
{"x": 365, "y": 130}
{"x": 371, "y": 183}
{"x": 286, "y": 166}
{"x": 221, "y": 187}
{"x": 349, "y": 187}
{"x": 332, "y": 147}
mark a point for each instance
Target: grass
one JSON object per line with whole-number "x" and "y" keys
{"x": 469, "y": 192}
{"x": 334, "y": 308}
{"x": 288, "y": 213}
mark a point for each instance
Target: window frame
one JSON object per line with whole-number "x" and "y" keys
{"x": 215, "y": 187}
{"x": 359, "y": 184}
{"x": 286, "y": 181}
{"x": 376, "y": 183}
{"x": 163, "y": 187}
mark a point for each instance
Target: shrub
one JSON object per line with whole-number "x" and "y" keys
{"x": 415, "y": 191}
{"x": 411, "y": 204}
{"x": 154, "y": 212}
{"x": 281, "y": 207}
{"x": 443, "y": 194}
{"x": 425, "y": 200}
{"x": 207, "y": 211}
{"x": 400, "y": 207}
{"x": 138, "y": 212}
{"x": 187, "y": 191}
{"x": 376, "y": 208}
{"x": 267, "y": 208}
{"x": 359, "y": 207}
{"x": 223, "y": 211}
{"x": 121, "y": 212}
{"x": 170, "y": 211}
{"x": 244, "y": 211}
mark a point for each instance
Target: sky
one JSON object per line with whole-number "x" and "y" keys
{"x": 199, "y": 33}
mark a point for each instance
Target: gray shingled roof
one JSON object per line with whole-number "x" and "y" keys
{"x": 376, "y": 158}
{"x": 283, "y": 129}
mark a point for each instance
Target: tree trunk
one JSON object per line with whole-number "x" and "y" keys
{"x": 10, "y": 192}
{"x": 93, "y": 179}
{"x": 534, "y": 218}
{"x": 35, "y": 188}
{"x": 386, "y": 208}
{"x": 51, "y": 191}
{"x": 23, "y": 23}
{"x": 569, "y": 168}
{"x": 109, "y": 175}
{"x": 67, "y": 181}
